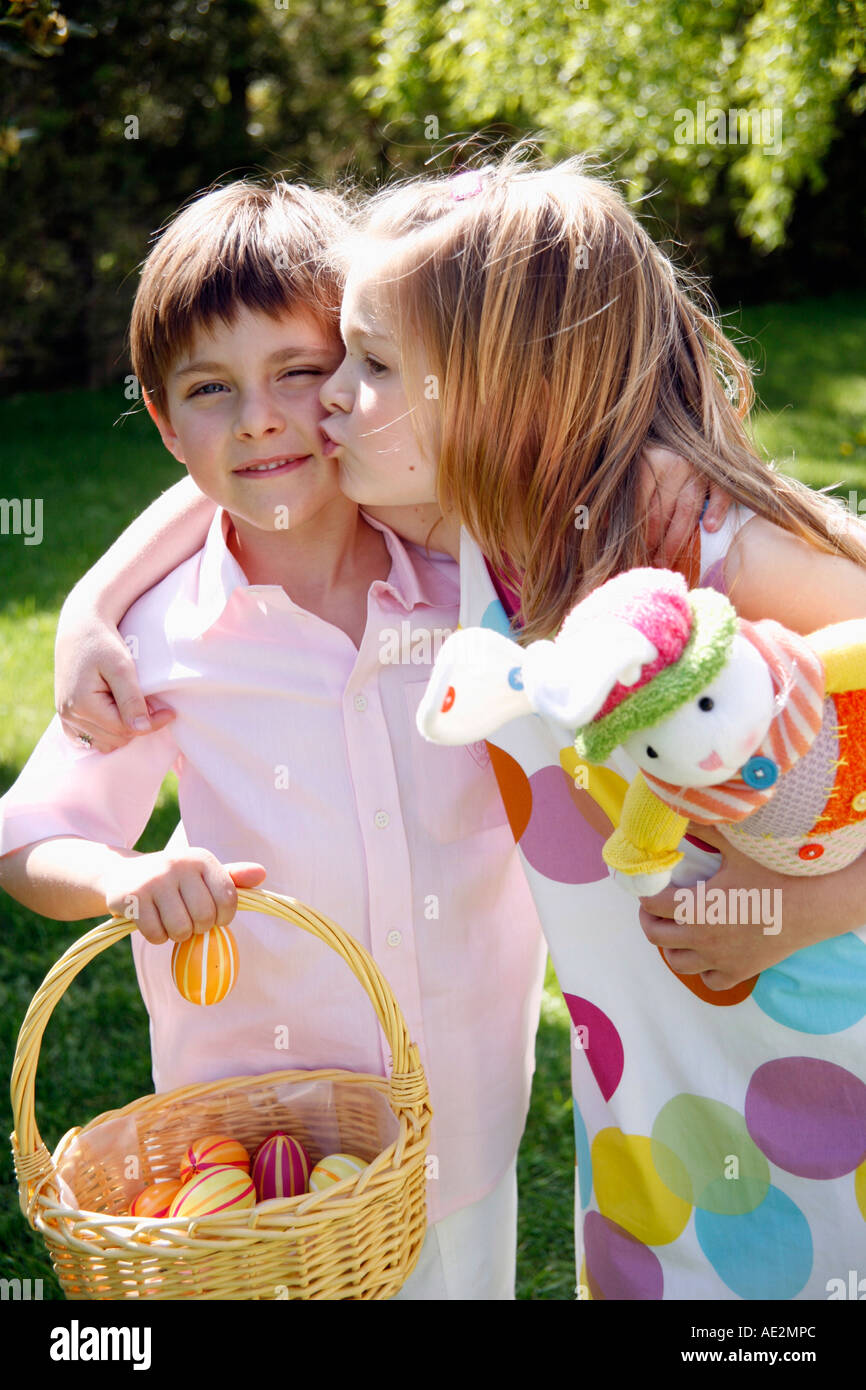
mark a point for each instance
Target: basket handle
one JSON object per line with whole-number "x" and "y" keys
{"x": 408, "y": 1090}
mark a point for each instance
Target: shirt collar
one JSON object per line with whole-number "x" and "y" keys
{"x": 414, "y": 578}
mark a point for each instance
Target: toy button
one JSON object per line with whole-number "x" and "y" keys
{"x": 448, "y": 701}
{"x": 859, "y": 802}
{"x": 759, "y": 773}
{"x": 515, "y": 678}
{"x": 810, "y": 851}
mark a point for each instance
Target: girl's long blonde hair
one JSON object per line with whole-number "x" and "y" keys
{"x": 561, "y": 342}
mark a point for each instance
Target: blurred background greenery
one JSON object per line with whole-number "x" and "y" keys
{"x": 113, "y": 112}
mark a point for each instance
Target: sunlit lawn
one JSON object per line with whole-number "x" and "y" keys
{"x": 93, "y": 476}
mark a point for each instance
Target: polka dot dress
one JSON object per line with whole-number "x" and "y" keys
{"x": 720, "y": 1138}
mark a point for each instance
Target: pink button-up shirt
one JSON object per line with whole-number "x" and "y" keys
{"x": 297, "y": 750}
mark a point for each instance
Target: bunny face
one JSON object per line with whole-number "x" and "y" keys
{"x": 706, "y": 741}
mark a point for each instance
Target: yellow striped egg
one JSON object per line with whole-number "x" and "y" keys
{"x": 205, "y": 966}
{"x": 213, "y": 1151}
{"x": 216, "y": 1190}
{"x": 334, "y": 1168}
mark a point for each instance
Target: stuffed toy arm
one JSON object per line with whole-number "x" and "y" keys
{"x": 642, "y": 851}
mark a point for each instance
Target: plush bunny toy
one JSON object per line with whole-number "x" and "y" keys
{"x": 746, "y": 726}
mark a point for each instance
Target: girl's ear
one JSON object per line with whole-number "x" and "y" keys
{"x": 163, "y": 424}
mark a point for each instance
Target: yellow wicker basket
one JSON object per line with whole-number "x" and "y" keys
{"x": 359, "y": 1239}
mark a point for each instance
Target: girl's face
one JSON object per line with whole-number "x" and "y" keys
{"x": 380, "y": 460}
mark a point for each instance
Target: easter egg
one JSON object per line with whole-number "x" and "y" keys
{"x": 213, "y": 1151}
{"x": 156, "y": 1199}
{"x": 280, "y": 1168}
{"x": 217, "y": 1189}
{"x": 205, "y": 966}
{"x": 334, "y": 1168}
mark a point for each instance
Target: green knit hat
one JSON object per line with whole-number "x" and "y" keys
{"x": 658, "y": 694}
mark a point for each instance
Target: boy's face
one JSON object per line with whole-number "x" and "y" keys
{"x": 243, "y": 412}
{"x": 380, "y": 460}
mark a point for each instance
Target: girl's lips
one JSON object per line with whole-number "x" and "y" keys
{"x": 270, "y": 468}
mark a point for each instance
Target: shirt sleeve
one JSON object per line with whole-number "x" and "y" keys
{"x": 104, "y": 797}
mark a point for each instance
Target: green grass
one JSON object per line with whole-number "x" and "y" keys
{"x": 810, "y": 360}
{"x": 93, "y": 478}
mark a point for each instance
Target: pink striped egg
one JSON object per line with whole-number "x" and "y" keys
{"x": 213, "y": 1151}
{"x": 280, "y": 1168}
{"x": 219, "y": 1189}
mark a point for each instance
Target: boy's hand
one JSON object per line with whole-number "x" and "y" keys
{"x": 673, "y": 496}
{"x": 171, "y": 895}
{"x": 96, "y": 689}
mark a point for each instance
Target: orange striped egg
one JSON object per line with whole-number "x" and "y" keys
{"x": 280, "y": 1168}
{"x": 156, "y": 1199}
{"x": 205, "y": 966}
{"x": 213, "y": 1151}
{"x": 334, "y": 1168}
{"x": 218, "y": 1189}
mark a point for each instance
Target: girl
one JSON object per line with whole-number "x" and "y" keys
{"x": 514, "y": 339}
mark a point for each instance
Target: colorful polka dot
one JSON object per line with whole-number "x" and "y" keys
{"x": 722, "y": 998}
{"x": 603, "y": 790}
{"x": 555, "y": 842}
{"x": 583, "y": 1158}
{"x": 808, "y": 1116}
{"x": 765, "y": 1253}
{"x": 821, "y": 989}
{"x": 702, "y": 1151}
{"x": 617, "y": 1265}
{"x": 514, "y": 789}
{"x": 860, "y": 1189}
{"x": 496, "y": 618}
{"x": 630, "y": 1192}
{"x": 598, "y": 1038}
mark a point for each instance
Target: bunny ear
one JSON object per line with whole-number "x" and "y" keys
{"x": 568, "y": 681}
{"x": 475, "y": 687}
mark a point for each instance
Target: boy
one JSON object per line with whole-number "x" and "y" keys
{"x": 294, "y": 744}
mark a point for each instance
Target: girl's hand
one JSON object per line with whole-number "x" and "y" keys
{"x": 796, "y": 912}
{"x": 171, "y": 895}
{"x": 96, "y": 689}
{"x": 673, "y": 495}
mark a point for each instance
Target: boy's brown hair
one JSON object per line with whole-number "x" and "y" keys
{"x": 257, "y": 245}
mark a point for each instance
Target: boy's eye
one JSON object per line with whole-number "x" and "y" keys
{"x": 207, "y": 388}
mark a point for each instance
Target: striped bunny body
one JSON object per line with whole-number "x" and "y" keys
{"x": 811, "y": 819}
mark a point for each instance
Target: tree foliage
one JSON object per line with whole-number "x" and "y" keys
{"x": 163, "y": 100}
{"x": 611, "y": 77}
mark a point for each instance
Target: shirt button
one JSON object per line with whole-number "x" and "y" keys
{"x": 360, "y": 702}
{"x": 811, "y": 851}
{"x": 382, "y": 819}
{"x": 394, "y": 938}
{"x": 859, "y": 802}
